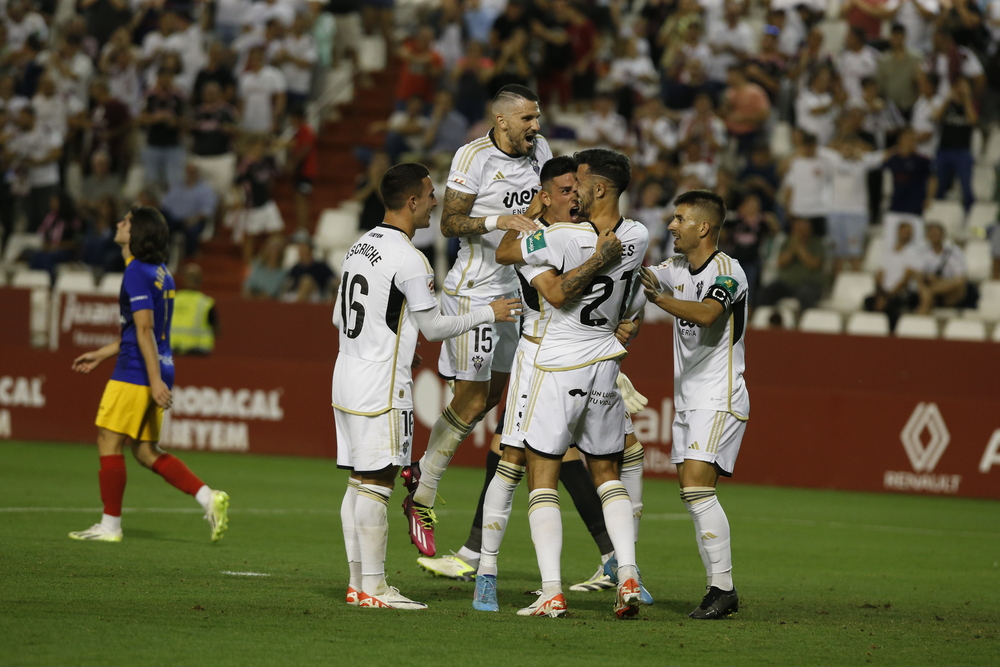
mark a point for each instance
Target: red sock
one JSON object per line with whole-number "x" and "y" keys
{"x": 112, "y": 478}
{"x": 177, "y": 474}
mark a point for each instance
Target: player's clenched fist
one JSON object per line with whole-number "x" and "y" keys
{"x": 506, "y": 310}
{"x": 609, "y": 248}
{"x": 521, "y": 223}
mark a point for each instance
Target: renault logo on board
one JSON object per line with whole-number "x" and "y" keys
{"x": 925, "y": 417}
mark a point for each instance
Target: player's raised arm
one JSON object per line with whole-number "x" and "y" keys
{"x": 703, "y": 313}
{"x": 455, "y": 220}
{"x": 559, "y": 290}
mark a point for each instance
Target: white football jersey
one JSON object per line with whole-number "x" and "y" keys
{"x": 709, "y": 363}
{"x": 535, "y": 310}
{"x": 503, "y": 185}
{"x": 583, "y": 332}
{"x": 384, "y": 277}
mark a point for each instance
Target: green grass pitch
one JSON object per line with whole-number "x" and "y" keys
{"x": 825, "y": 578}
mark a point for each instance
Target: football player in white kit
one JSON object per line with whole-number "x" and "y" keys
{"x": 387, "y": 293}
{"x": 490, "y": 187}
{"x": 709, "y": 305}
{"x": 574, "y": 397}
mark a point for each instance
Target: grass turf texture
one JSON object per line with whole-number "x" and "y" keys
{"x": 826, "y": 578}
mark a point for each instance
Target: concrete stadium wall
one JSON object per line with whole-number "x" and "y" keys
{"x": 839, "y": 412}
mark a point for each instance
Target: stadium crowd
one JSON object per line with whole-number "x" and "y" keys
{"x": 816, "y": 121}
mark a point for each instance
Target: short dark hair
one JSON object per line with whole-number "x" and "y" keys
{"x": 608, "y": 164}
{"x": 898, "y": 28}
{"x": 402, "y": 182}
{"x": 556, "y": 167}
{"x": 149, "y": 238}
{"x": 513, "y": 90}
{"x": 707, "y": 201}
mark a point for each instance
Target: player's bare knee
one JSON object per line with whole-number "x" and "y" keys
{"x": 385, "y": 477}
{"x": 514, "y": 455}
{"x": 470, "y": 400}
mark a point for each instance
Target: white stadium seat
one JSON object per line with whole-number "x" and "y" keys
{"x": 291, "y": 256}
{"x": 17, "y": 243}
{"x": 815, "y": 320}
{"x": 761, "y": 318}
{"x": 983, "y": 213}
{"x": 983, "y": 179}
{"x": 78, "y": 282}
{"x": 868, "y": 324}
{"x": 917, "y": 326}
{"x": 988, "y": 307}
{"x": 873, "y": 254}
{"x": 38, "y": 279}
{"x": 960, "y": 329}
{"x": 371, "y": 54}
{"x": 850, "y": 289}
{"x": 337, "y": 227}
{"x": 111, "y": 284}
{"x": 978, "y": 260}
{"x": 949, "y": 213}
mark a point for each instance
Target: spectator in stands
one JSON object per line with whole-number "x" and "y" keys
{"x": 163, "y": 117}
{"x": 918, "y": 17}
{"x": 865, "y": 16}
{"x": 28, "y": 66}
{"x": 60, "y": 234}
{"x": 760, "y": 176}
{"x": 817, "y": 107}
{"x": 893, "y": 280}
{"x": 296, "y": 54}
{"x": 994, "y": 234}
{"x": 189, "y": 207}
{"x": 100, "y": 182}
{"x": 683, "y": 66}
{"x": 445, "y": 132}
{"x": 655, "y": 132}
{"x": 800, "y": 268}
{"x": 694, "y": 163}
{"x": 110, "y": 124}
{"x": 702, "y": 126}
{"x": 942, "y": 280}
{"x": 633, "y": 77}
{"x": 748, "y": 231}
{"x": 470, "y": 80}
{"x": 512, "y": 64}
{"x": 267, "y": 277}
{"x": 303, "y": 161}
{"x": 957, "y": 118}
{"x": 98, "y": 249}
{"x": 807, "y": 182}
{"x": 256, "y": 174}
{"x": 925, "y": 112}
{"x": 378, "y": 15}
{"x": 32, "y": 155}
{"x": 422, "y": 66}
{"x": 952, "y": 61}
{"x": 216, "y": 71}
{"x": 367, "y": 193}
{"x": 70, "y": 68}
{"x": 22, "y": 23}
{"x": 898, "y": 70}
{"x": 603, "y": 126}
{"x": 261, "y": 91}
{"x": 312, "y": 279}
{"x": 52, "y": 110}
{"x": 515, "y": 17}
{"x": 746, "y": 109}
{"x": 914, "y": 184}
{"x": 879, "y": 127}
{"x": 584, "y": 38}
{"x": 768, "y": 66}
{"x": 195, "y": 324}
{"x": 404, "y": 129}
{"x": 851, "y": 160}
{"x": 730, "y": 40}
{"x": 652, "y": 212}
{"x": 212, "y": 129}
{"x": 551, "y": 29}
{"x": 119, "y": 63}
{"x": 103, "y": 17}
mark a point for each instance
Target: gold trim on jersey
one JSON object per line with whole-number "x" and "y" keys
{"x": 529, "y": 408}
{"x": 473, "y": 240}
{"x": 462, "y": 347}
{"x": 729, "y": 396}
{"x": 617, "y": 355}
{"x": 715, "y": 435}
{"x": 515, "y": 385}
{"x": 469, "y": 153}
{"x": 361, "y": 414}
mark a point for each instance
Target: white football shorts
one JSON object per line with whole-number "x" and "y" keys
{"x": 707, "y": 435}
{"x": 476, "y": 354}
{"x": 370, "y": 444}
{"x": 581, "y": 406}
{"x": 517, "y": 393}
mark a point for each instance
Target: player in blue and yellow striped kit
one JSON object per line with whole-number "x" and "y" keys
{"x": 139, "y": 390}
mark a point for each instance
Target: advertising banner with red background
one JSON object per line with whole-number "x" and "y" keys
{"x": 843, "y": 412}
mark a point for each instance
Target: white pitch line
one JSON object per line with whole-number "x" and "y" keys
{"x": 245, "y": 574}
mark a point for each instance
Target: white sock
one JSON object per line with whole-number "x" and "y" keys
{"x": 372, "y": 524}
{"x": 112, "y": 523}
{"x": 712, "y": 531}
{"x": 350, "y": 533}
{"x": 618, "y": 521}
{"x": 631, "y": 476}
{"x": 496, "y": 513}
{"x": 204, "y": 497}
{"x": 546, "y": 532}
{"x": 468, "y": 555}
{"x": 447, "y": 434}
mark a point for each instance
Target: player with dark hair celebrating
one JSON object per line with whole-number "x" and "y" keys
{"x": 386, "y": 295}
{"x": 709, "y": 305}
{"x": 139, "y": 390}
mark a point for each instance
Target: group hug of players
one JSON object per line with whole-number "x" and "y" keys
{"x": 547, "y": 292}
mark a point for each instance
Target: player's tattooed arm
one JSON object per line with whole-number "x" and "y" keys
{"x": 560, "y": 290}
{"x": 456, "y": 222}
